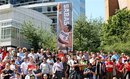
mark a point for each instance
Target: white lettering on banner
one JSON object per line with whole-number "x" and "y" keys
{"x": 66, "y": 6}
{"x": 66, "y": 14}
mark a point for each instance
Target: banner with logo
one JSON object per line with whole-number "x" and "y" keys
{"x": 64, "y": 26}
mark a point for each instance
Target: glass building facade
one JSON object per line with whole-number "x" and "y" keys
{"x": 78, "y": 7}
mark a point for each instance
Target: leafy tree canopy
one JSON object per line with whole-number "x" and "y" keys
{"x": 86, "y": 33}
{"x": 115, "y": 33}
{"x": 38, "y": 37}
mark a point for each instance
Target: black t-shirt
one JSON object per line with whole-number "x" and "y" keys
{"x": 10, "y": 72}
{"x": 38, "y": 71}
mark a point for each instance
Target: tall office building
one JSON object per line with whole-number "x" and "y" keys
{"x": 112, "y": 5}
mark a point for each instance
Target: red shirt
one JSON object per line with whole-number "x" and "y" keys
{"x": 3, "y": 54}
{"x": 119, "y": 66}
{"x": 127, "y": 66}
{"x": 31, "y": 67}
{"x": 60, "y": 55}
{"x": 109, "y": 66}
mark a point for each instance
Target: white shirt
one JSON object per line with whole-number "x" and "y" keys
{"x": 33, "y": 56}
{"x": 71, "y": 63}
{"x": 91, "y": 60}
{"x": 24, "y": 67}
{"x": 40, "y": 56}
{"x": 45, "y": 68}
{"x": 12, "y": 67}
{"x": 57, "y": 67}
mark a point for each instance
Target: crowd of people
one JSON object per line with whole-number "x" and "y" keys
{"x": 45, "y": 64}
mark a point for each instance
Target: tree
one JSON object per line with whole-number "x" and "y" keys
{"x": 115, "y": 33}
{"x": 86, "y": 33}
{"x": 38, "y": 37}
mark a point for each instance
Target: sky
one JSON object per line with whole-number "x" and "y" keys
{"x": 95, "y": 8}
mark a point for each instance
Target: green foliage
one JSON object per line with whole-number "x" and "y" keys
{"x": 115, "y": 34}
{"x": 86, "y": 33}
{"x": 38, "y": 37}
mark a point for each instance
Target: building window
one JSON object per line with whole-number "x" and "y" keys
{"x": 9, "y": 32}
{"x": 6, "y": 23}
{"x": 39, "y": 9}
{"x": 54, "y": 8}
{"x": 48, "y": 8}
{"x": 54, "y": 20}
{"x": 6, "y": 33}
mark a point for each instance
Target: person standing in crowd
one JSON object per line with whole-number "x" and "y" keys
{"x": 92, "y": 59}
{"x": 71, "y": 63}
{"x": 119, "y": 69}
{"x": 38, "y": 72}
{"x": 124, "y": 58}
{"x": 103, "y": 68}
{"x": 4, "y": 52}
{"x": 31, "y": 63}
{"x": 127, "y": 69}
{"x": 48, "y": 53}
{"x": 32, "y": 54}
{"x": 114, "y": 67}
{"x": 44, "y": 66}
{"x": 65, "y": 68}
{"x": 88, "y": 72}
{"x": 30, "y": 75}
{"x": 40, "y": 55}
{"x": 13, "y": 67}
{"x": 76, "y": 72}
{"x": 20, "y": 54}
{"x": 58, "y": 69}
{"x": 82, "y": 64}
{"x": 98, "y": 70}
{"x": 11, "y": 52}
{"x": 18, "y": 62}
{"x": 109, "y": 69}
{"x": 115, "y": 56}
{"x": 24, "y": 68}
{"x": 86, "y": 55}
{"x": 50, "y": 61}
{"x": 7, "y": 73}
{"x": 7, "y": 57}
